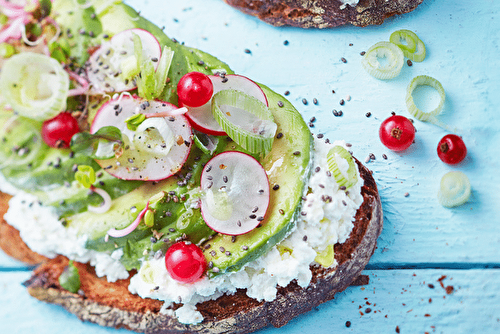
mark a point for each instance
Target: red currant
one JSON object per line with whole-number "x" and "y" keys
{"x": 57, "y": 132}
{"x": 451, "y": 149}
{"x": 194, "y": 89}
{"x": 397, "y": 133}
{"x": 185, "y": 262}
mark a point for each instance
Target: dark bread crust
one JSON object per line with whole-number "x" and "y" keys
{"x": 323, "y": 13}
{"x": 10, "y": 240}
{"x": 111, "y": 304}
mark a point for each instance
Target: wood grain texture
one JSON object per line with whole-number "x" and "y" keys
{"x": 418, "y": 232}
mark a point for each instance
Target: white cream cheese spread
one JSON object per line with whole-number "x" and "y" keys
{"x": 326, "y": 218}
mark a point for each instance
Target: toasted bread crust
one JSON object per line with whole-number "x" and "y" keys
{"x": 323, "y": 13}
{"x": 112, "y": 305}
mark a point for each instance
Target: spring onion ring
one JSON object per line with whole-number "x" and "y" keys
{"x": 393, "y": 56}
{"x": 245, "y": 119}
{"x": 454, "y": 189}
{"x": 425, "y": 80}
{"x": 414, "y": 49}
{"x": 36, "y": 86}
{"x": 346, "y": 178}
{"x": 407, "y": 36}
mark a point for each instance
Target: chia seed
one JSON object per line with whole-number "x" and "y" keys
{"x": 276, "y": 187}
{"x": 280, "y": 104}
{"x": 304, "y": 101}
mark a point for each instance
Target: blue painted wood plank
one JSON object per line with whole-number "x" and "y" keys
{"x": 394, "y": 298}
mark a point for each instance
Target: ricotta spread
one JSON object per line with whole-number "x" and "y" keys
{"x": 326, "y": 218}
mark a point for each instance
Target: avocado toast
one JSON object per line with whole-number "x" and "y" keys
{"x": 172, "y": 200}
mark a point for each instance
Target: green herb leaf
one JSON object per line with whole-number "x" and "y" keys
{"x": 70, "y": 278}
{"x": 85, "y": 175}
{"x": 134, "y": 121}
{"x": 162, "y": 70}
{"x": 104, "y": 144}
{"x": 45, "y": 7}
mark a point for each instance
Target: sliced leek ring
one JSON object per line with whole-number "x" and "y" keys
{"x": 394, "y": 59}
{"x": 407, "y": 36}
{"x": 245, "y": 119}
{"x": 424, "y": 80}
{"x": 345, "y": 177}
{"x": 35, "y": 85}
{"x": 454, "y": 189}
{"x": 414, "y": 49}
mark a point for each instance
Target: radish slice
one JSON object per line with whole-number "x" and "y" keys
{"x": 201, "y": 117}
{"x": 235, "y": 191}
{"x": 156, "y": 150}
{"x": 107, "y": 64}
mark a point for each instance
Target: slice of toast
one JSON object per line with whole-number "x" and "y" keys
{"x": 324, "y": 13}
{"x": 111, "y": 304}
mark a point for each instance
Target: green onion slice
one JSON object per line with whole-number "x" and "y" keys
{"x": 206, "y": 143}
{"x": 454, "y": 189}
{"x": 35, "y": 85}
{"x": 384, "y": 60}
{"x": 245, "y": 119}
{"x": 341, "y": 164}
{"x": 405, "y": 39}
{"x": 425, "y": 80}
{"x": 413, "y": 49}
{"x": 419, "y": 54}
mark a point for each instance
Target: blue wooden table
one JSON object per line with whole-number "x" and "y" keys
{"x": 435, "y": 270}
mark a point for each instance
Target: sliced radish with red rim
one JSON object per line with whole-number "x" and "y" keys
{"x": 158, "y": 147}
{"x": 202, "y": 118}
{"x": 235, "y": 191}
{"x": 107, "y": 64}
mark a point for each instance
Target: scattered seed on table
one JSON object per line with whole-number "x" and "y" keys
{"x": 285, "y": 42}
{"x": 368, "y": 114}
{"x": 343, "y": 60}
{"x": 409, "y": 62}
{"x": 304, "y": 101}
{"x": 248, "y": 51}
{"x": 342, "y": 102}
{"x": 287, "y": 93}
{"x": 315, "y": 101}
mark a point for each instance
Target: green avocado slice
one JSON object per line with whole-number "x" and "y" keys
{"x": 287, "y": 166}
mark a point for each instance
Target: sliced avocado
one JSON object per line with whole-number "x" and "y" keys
{"x": 287, "y": 166}
{"x": 81, "y": 27}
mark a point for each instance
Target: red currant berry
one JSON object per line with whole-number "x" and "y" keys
{"x": 397, "y": 133}
{"x": 185, "y": 262}
{"x": 57, "y": 132}
{"x": 451, "y": 149}
{"x": 194, "y": 89}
